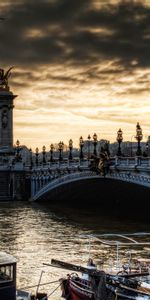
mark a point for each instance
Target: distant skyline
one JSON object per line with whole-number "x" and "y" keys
{"x": 80, "y": 67}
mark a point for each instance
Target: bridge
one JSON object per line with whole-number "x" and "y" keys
{"x": 20, "y": 181}
{"x": 51, "y": 180}
{"x": 53, "y": 176}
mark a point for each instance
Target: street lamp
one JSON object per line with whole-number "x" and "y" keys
{"x": 95, "y": 143}
{"x": 44, "y": 152}
{"x": 51, "y": 152}
{"x": 36, "y": 155}
{"x": 60, "y": 148}
{"x": 18, "y": 156}
{"x": 70, "y": 149}
{"x": 81, "y": 144}
{"x": 139, "y": 137}
{"x": 89, "y": 138}
{"x": 119, "y": 140}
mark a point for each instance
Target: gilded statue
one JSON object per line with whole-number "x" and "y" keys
{"x": 4, "y": 78}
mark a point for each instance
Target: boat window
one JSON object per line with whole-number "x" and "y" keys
{"x": 6, "y": 273}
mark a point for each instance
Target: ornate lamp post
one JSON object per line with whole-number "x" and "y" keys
{"x": 18, "y": 156}
{"x": 119, "y": 140}
{"x": 44, "y": 152}
{"x": 95, "y": 143}
{"x": 89, "y": 138}
{"x": 139, "y": 137}
{"x": 51, "y": 152}
{"x": 70, "y": 149}
{"x": 60, "y": 148}
{"x": 81, "y": 144}
{"x": 36, "y": 155}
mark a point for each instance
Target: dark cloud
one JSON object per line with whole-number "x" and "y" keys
{"x": 73, "y": 32}
{"x": 135, "y": 91}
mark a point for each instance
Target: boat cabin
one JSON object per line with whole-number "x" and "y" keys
{"x": 7, "y": 276}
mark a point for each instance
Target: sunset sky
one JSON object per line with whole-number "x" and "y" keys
{"x": 81, "y": 66}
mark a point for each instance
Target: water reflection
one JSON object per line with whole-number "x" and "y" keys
{"x": 35, "y": 234}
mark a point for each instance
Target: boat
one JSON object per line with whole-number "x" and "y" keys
{"x": 8, "y": 289}
{"x": 130, "y": 281}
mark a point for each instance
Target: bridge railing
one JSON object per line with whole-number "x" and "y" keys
{"x": 131, "y": 161}
{"x": 115, "y": 162}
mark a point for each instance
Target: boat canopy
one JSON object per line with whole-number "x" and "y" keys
{"x": 6, "y": 259}
{"x": 126, "y": 239}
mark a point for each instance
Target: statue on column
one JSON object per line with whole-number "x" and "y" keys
{"x": 4, "y": 79}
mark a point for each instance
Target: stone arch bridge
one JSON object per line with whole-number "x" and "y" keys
{"x": 52, "y": 177}
{"x": 22, "y": 182}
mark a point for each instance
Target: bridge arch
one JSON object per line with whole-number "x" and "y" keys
{"x": 65, "y": 180}
{"x": 88, "y": 186}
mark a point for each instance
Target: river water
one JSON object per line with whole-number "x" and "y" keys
{"x": 36, "y": 233}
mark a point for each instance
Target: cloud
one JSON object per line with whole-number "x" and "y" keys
{"x": 77, "y": 62}
{"x": 75, "y": 32}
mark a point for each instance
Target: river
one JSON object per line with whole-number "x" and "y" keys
{"x": 36, "y": 233}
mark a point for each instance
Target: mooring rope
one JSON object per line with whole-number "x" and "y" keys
{"x": 32, "y": 286}
{"x": 46, "y": 297}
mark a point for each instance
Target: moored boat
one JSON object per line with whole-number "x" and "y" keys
{"x": 132, "y": 281}
{"x": 76, "y": 288}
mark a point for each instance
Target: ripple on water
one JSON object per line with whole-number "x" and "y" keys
{"x": 35, "y": 235}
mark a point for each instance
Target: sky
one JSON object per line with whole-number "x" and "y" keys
{"x": 80, "y": 67}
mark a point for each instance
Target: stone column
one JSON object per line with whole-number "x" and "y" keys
{"x": 6, "y": 121}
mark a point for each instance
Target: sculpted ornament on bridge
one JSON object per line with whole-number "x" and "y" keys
{"x": 4, "y": 79}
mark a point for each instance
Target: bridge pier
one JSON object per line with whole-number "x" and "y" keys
{"x": 14, "y": 186}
